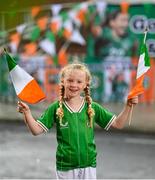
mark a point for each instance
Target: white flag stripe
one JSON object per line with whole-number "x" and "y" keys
{"x": 21, "y": 28}
{"x": 20, "y": 78}
{"x": 56, "y": 9}
{"x": 77, "y": 38}
{"x": 141, "y": 66}
{"x": 101, "y": 7}
{"x": 48, "y": 46}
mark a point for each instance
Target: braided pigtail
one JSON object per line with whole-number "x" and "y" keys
{"x": 60, "y": 112}
{"x": 90, "y": 110}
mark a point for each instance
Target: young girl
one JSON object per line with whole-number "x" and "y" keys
{"x": 75, "y": 117}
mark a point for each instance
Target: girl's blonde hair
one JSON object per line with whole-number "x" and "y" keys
{"x": 63, "y": 72}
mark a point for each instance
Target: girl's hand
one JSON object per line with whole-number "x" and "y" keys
{"x": 132, "y": 101}
{"x": 22, "y": 107}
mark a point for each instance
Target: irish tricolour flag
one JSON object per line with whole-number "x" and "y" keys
{"x": 26, "y": 87}
{"x": 143, "y": 67}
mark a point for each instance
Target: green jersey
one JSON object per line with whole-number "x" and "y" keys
{"x": 76, "y": 146}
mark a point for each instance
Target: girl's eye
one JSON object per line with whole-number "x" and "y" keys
{"x": 70, "y": 80}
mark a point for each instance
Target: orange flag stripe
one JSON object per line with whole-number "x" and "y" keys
{"x": 138, "y": 89}
{"x": 31, "y": 93}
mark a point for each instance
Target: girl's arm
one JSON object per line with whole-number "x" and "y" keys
{"x": 125, "y": 114}
{"x": 29, "y": 120}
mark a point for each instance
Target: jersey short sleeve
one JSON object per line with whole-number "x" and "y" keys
{"x": 103, "y": 117}
{"x": 47, "y": 119}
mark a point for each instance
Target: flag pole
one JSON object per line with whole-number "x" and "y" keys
{"x": 145, "y": 33}
{"x": 130, "y": 115}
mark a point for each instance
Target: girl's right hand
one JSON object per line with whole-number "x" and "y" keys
{"x": 22, "y": 107}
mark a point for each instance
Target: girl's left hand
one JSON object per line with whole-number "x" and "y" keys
{"x": 22, "y": 107}
{"x": 132, "y": 101}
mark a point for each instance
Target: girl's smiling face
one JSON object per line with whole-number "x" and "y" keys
{"x": 74, "y": 83}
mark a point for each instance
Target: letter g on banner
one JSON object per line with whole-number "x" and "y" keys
{"x": 138, "y": 24}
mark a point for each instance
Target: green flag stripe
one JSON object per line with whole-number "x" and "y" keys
{"x": 11, "y": 62}
{"x": 145, "y": 51}
{"x": 147, "y": 59}
{"x": 49, "y": 35}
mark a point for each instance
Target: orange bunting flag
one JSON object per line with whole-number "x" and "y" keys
{"x": 56, "y": 24}
{"x": 68, "y": 29}
{"x": 35, "y": 10}
{"x": 81, "y": 14}
{"x": 42, "y": 23}
{"x": 63, "y": 56}
{"x": 124, "y": 7}
{"x": 26, "y": 87}
{"x": 143, "y": 67}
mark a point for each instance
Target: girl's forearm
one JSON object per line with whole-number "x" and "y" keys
{"x": 126, "y": 113}
{"x": 32, "y": 124}
{"x": 122, "y": 117}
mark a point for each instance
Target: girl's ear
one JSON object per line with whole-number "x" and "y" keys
{"x": 86, "y": 85}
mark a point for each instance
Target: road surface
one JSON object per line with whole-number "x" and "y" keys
{"x": 120, "y": 155}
